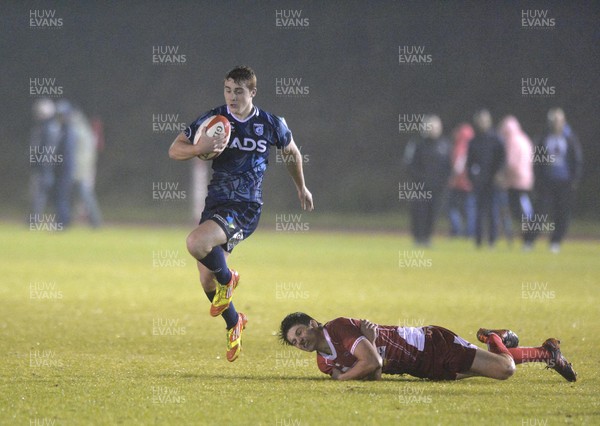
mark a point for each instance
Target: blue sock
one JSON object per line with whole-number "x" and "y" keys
{"x": 215, "y": 262}
{"x": 230, "y": 315}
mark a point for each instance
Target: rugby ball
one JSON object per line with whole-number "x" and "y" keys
{"x": 215, "y": 125}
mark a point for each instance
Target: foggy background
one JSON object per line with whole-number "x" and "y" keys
{"x": 347, "y": 56}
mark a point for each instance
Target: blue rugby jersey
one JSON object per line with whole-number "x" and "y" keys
{"x": 239, "y": 171}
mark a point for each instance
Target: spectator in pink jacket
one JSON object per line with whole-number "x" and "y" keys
{"x": 518, "y": 174}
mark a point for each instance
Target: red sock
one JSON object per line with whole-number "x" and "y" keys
{"x": 521, "y": 355}
{"x": 495, "y": 345}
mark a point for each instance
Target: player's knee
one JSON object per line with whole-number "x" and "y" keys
{"x": 190, "y": 243}
{"x": 197, "y": 246}
{"x": 507, "y": 369}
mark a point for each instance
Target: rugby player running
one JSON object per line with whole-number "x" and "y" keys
{"x": 234, "y": 201}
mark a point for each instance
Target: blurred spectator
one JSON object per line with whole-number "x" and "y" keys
{"x": 42, "y": 147}
{"x": 428, "y": 159}
{"x": 501, "y": 207}
{"x": 84, "y": 175}
{"x": 518, "y": 173}
{"x": 461, "y": 208}
{"x": 558, "y": 170}
{"x": 64, "y": 170}
{"x": 484, "y": 160}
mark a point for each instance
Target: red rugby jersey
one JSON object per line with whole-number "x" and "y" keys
{"x": 401, "y": 348}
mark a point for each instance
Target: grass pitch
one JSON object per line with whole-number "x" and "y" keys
{"x": 111, "y": 327}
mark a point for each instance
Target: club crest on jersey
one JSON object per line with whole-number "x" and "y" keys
{"x": 259, "y": 129}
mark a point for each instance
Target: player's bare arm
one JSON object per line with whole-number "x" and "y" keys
{"x": 370, "y": 331}
{"x": 368, "y": 364}
{"x": 183, "y": 149}
{"x": 293, "y": 162}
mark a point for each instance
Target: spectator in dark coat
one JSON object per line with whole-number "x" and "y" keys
{"x": 65, "y": 169}
{"x": 486, "y": 157}
{"x": 42, "y": 157}
{"x": 428, "y": 159}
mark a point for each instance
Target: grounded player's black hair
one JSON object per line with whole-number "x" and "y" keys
{"x": 290, "y": 321}
{"x": 242, "y": 74}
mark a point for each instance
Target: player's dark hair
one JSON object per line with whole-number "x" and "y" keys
{"x": 243, "y": 74}
{"x": 291, "y": 320}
